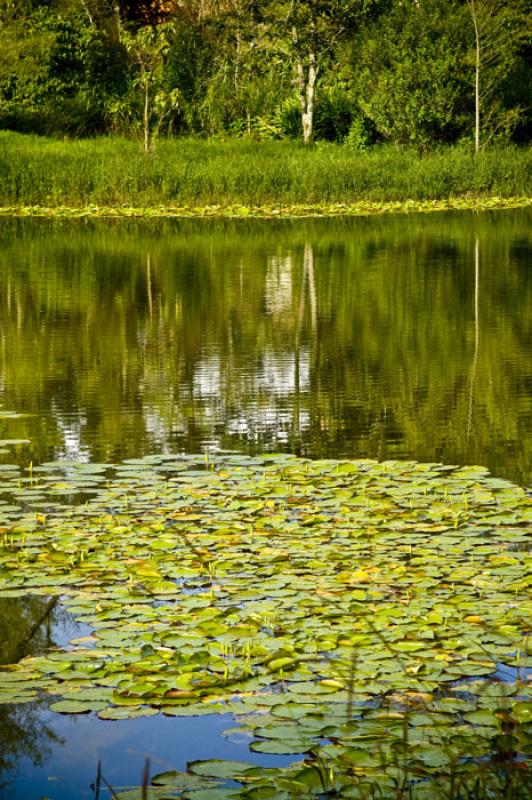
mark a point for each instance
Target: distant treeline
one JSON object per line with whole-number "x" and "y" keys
{"x": 412, "y": 72}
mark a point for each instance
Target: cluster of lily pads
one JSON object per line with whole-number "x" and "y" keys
{"x": 371, "y": 617}
{"x": 359, "y": 208}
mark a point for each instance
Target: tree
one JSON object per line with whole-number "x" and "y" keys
{"x": 407, "y": 74}
{"x": 149, "y": 46}
{"x": 224, "y": 60}
{"x": 128, "y": 12}
{"x": 500, "y": 29}
{"x": 237, "y": 86}
{"x": 25, "y": 57}
{"x": 311, "y": 31}
{"x": 57, "y": 68}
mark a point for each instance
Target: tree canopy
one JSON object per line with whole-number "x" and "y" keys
{"x": 360, "y": 71}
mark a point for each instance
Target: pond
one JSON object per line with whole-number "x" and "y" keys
{"x": 395, "y": 339}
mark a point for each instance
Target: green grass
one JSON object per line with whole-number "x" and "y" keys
{"x": 112, "y": 172}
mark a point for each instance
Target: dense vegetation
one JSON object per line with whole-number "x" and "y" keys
{"x": 113, "y": 172}
{"x": 355, "y": 71}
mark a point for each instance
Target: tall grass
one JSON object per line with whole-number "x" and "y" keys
{"x": 112, "y": 171}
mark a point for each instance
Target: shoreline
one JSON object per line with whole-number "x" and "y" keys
{"x": 269, "y": 211}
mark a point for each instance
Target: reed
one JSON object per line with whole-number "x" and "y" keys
{"x": 114, "y": 172}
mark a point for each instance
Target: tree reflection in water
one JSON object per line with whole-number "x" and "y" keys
{"x": 26, "y": 628}
{"x": 324, "y": 338}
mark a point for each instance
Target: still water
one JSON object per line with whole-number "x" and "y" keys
{"x": 407, "y": 336}
{"x": 397, "y": 337}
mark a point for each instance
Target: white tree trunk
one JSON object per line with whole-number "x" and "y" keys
{"x": 307, "y": 93}
{"x": 146, "y": 114}
{"x": 477, "y": 91}
{"x": 307, "y": 76}
{"x": 118, "y": 20}
{"x": 473, "y": 10}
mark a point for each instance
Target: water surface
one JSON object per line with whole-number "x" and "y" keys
{"x": 403, "y": 337}
{"x": 397, "y": 337}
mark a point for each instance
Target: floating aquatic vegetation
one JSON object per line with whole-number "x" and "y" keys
{"x": 268, "y": 210}
{"x": 337, "y": 609}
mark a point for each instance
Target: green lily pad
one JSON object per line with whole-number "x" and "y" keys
{"x": 522, "y": 712}
{"x": 129, "y": 712}
{"x": 223, "y": 770}
{"x": 332, "y": 608}
{"x": 285, "y": 747}
{"x": 77, "y": 706}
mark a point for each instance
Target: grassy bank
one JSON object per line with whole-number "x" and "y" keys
{"x": 190, "y": 173}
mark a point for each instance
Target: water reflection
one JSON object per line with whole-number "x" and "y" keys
{"x": 26, "y": 627}
{"x": 24, "y": 736}
{"x": 477, "y": 342}
{"x": 43, "y": 754}
{"x": 122, "y": 747}
{"x": 399, "y": 337}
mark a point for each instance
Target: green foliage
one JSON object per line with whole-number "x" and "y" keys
{"x": 403, "y": 69}
{"x": 151, "y": 102}
{"x": 320, "y": 25}
{"x": 358, "y": 135}
{"x": 345, "y": 601}
{"x": 25, "y": 59}
{"x": 249, "y": 78}
{"x": 334, "y": 114}
{"x": 56, "y": 72}
{"x": 408, "y": 72}
{"x": 499, "y": 33}
{"x": 104, "y": 172}
{"x": 188, "y": 67}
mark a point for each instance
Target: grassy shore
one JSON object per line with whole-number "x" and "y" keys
{"x": 212, "y": 176}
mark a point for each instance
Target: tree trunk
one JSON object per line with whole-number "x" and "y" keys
{"x": 307, "y": 93}
{"x": 307, "y": 76}
{"x": 118, "y": 20}
{"x": 477, "y": 92}
{"x": 146, "y": 114}
{"x": 88, "y": 13}
{"x": 474, "y": 16}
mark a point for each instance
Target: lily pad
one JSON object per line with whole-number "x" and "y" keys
{"x": 333, "y": 608}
